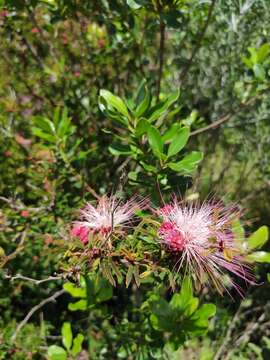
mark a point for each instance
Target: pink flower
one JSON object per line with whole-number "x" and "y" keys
{"x": 25, "y": 213}
{"x": 201, "y": 238}
{"x": 34, "y": 30}
{"x": 81, "y": 232}
{"x": 108, "y": 214}
{"x": 3, "y": 13}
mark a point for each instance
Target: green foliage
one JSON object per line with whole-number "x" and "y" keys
{"x": 92, "y": 291}
{"x": 76, "y": 120}
{"x": 145, "y": 122}
{"x": 57, "y": 353}
{"x": 258, "y": 238}
{"x": 256, "y": 241}
{"x": 73, "y": 346}
{"x": 181, "y": 317}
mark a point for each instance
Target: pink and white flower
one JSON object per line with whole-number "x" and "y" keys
{"x": 109, "y": 214}
{"x": 201, "y": 238}
{"x": 81, "y": 232}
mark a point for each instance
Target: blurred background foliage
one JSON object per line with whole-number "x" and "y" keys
{"x": 207, "y": 63}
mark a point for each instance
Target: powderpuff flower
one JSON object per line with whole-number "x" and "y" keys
{"x": 81, "y": 232}
{"x": 202, "y": 240}
{"x": 108, "y": 214}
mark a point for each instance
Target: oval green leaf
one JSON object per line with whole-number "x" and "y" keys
{"x": 155, "y": 141}
{"x": 66, "y": 335}
{"x": 260, "y": 256}
{"x": 114, "y": 102}
{"x": 258, "y": 238}
{"x": 179, "y": 141}
{"x": 56, "y": 353}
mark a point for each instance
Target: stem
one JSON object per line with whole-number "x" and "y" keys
{"x": 159, "y": 192}
{"x": 161, "y": 54}
{"x": 198, "y": 44}
{"x": 51, "y": 298}
{"x": 251, "y": 101}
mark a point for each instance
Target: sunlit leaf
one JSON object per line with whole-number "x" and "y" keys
{"x": 56, "y": 353}
{"x": 77, "y": 344}
{"x": 260, "y": 256}
{"x": 66, "y": 335}
{"x": 258, "y": 238}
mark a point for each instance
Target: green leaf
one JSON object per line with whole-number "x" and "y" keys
{"x": 79, "y": 305}
{"x": 142, "y": 127}
{"x": 188, "y": 164}
{"x": 77, "y": 345}
{"x": 179, "y": 141}
{"x": 263, "y": 52}
{"x": 114, "y": 102}
{"x": 75, "y": 291}
{"x": 64, "y": 126}
{"x": 260, "y": 256}
{"x": 253, "y": 55}
{"x": 144, "y": 105}
{"x": 56, "y": 116}
{"x": 259, "y": 71}
{"x": 44, "y": 124}
{"x": 247, "y": 62}
{"x": 140, "y": 93}
{"x": 186, "y": 288}
{"x": 268, "y": 277}
{"x": 169, "y": 134}
{"x": 38, "y": 132}
{"x": 119, "y": 149}
{"x": 173, "y": 98}
{"x": 103, "y": 290}
{"x": 206, "y": 311}
{"x": 162, "y": 314}
{"x": 66, "y": 335}
{"x": 238, "y": 230}
{"x": 258, "y": 238}
{"x": 148, "y": 167}
{"x": 133, "y": 4}
{"x": 191, "y": 307}
{"x": 161, "y": 108}
{"x": 155, "y": 141}
{"x": 56, "y": 353}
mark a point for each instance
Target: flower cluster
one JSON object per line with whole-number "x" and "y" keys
{"x": 199, "y": 238}
{"x": 202, "y": 240}
{"x": 109, "y": 214}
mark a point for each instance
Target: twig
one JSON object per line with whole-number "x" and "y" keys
{"x": 161, "y": 55}
{"x": 11, "y": 256}
{"x": 243, "y": 339}
{"x": 227, "y": 337}
{"x": 198, "y": 44}
{"x": 92, "y": 191}
{"x": 18, "y": 205}
{"x": 229, "y": 115}
{"x": 35, "y": 281}
{"x": 34, "y": 53}
{"x": 52, "y": 298}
